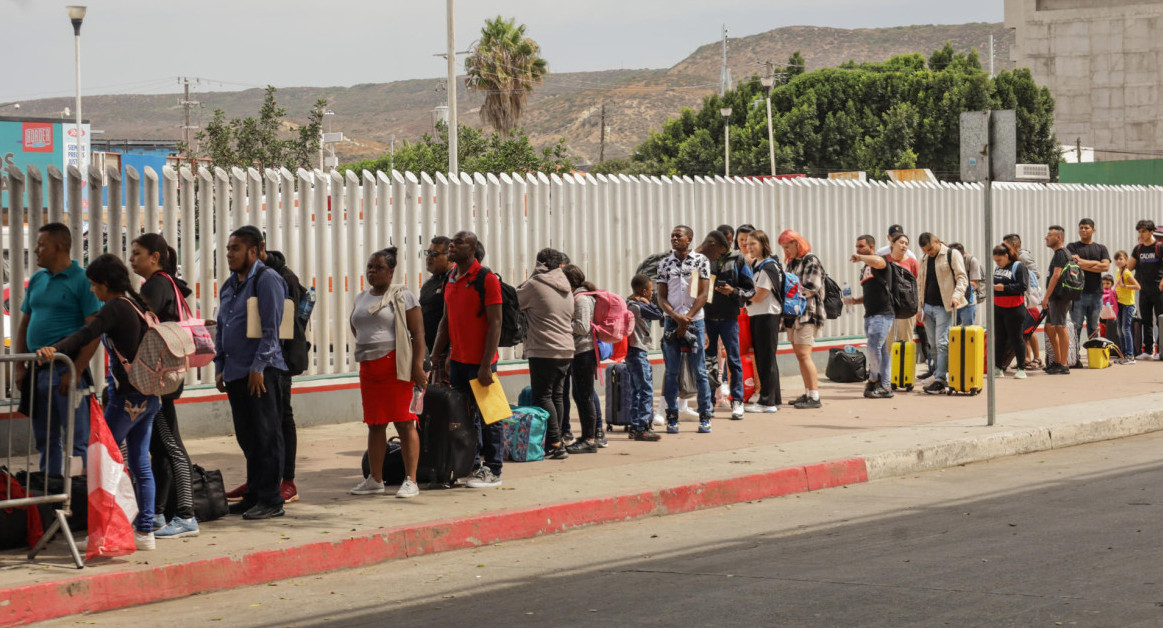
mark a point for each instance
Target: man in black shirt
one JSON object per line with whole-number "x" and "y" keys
{"x": 1147, "y": 262}
{"x": 1056, "y": 304}
{"x": 1094, "y": 259}
{"x": 878, "y": 314}
{"x": 432, "y": 292}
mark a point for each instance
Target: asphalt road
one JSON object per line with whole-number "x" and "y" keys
{"x": 1063, "y": 538}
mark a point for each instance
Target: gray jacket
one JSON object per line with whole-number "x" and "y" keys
{"x": 583, "y": 322}
{"x": 549, "y": 308}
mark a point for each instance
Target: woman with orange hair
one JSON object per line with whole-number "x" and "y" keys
{"x": 803, "y": 331}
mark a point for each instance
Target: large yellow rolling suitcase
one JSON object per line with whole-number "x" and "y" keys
{"x": 966, "y": 359}
{"x": 904, "y": 365}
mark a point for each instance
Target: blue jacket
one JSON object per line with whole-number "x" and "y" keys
{"x": 238, "y": 355}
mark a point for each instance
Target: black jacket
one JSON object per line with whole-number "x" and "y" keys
{"x": 158, "y": 293}
{"x": 734, "y": 270}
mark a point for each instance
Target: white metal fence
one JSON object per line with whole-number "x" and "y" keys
{"x": 327, "y": 223}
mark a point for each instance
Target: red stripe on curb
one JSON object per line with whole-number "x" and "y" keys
{"x": 101, "y": 592}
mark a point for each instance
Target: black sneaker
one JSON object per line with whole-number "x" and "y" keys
{"x": 802, "y": 398}
{"x": 556, "y": 453}
{"x": 1059, "y": 369}
{"x": 567, "y": 439}
{"x": 869, "y": 386}
{"x": 582, "y": 447}
{"x": 647, "y": 436}
{"x": 672, "y": 421}
{"x": 807, "y": 403}
{"x": 600, "y": 439}
{"x": 1077, "y": 365}
{"x": 880, "y": 393}
{"x": 936, "y": 388}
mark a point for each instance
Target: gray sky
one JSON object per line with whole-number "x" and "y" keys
{"x": 139, "y": 46}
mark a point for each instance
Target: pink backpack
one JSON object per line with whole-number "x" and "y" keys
{"x": 613, "y": 321}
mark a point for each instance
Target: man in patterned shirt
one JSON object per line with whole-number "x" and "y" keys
{"x": 684, "y": 331}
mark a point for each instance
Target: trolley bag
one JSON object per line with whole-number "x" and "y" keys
{"x": 525, "y": 434}
{"x": 1072, "y": 357}
{"x": 619, "y": 396}
{"x": 966, "y": 359}
{"x": 846, "y": 367}
{"x": 448, "y": 435}
{"x": 904, "y": 364}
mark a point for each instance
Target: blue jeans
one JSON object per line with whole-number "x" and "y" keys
{"x": 49, "y": 431}
{"x": 1088, "y": 308}
{"x": 130, "y": 418}
{"x": 491, "y": 438}
{"x": 672, "y": 355}
{"x": 967, "y": 315}
{"x": 728, "y": 330}
{"x": 641, "y": 389}
{"x": 877, "y": 328}
{"x": 1126, "y": 344}
{"x": 937, "y": 324}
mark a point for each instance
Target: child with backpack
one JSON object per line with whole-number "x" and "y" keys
{"x": 641, "y": 305}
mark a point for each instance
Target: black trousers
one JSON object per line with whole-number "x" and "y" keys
{"x": 547, "y": 378}
{"x": 585, "y": 366}
{"x": 765, "y": 341}
{"x": 1010, "y": 321}
{"x": 290, "y": 436}
{"x": 258, "y": 427}
{"x": 1150, "y": 306}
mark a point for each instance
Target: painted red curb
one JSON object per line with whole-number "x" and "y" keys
{"x": 101, "y": 592}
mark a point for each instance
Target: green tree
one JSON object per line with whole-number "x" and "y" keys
{"x": 479, "y": 152}
{"x": 247, "y": 142}
{"x": 902, "y": 113}
{"x": 504, "y": 66}
{"x": 795, "y": 65}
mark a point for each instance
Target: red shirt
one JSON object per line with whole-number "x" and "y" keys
{"x": 908, "y": 264}
{"x": 467, "y": 323}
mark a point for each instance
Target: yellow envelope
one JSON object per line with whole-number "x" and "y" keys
{"x": 491, "y": 400}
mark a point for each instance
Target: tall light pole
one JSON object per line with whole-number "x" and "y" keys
{"x": 453, "y": 125}
{"x": 77, "y": 15}
{"x": 726, "y": 111}
{"x": 768, "y": 83}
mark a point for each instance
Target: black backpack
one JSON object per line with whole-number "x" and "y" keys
{"x": 833, "y": 299}
{"x": 902, "y": 290}
{"x": 513, "y": 321}
{"x": 296, "y": 350}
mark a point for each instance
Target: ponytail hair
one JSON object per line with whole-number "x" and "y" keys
{"x": 156, "y": 243}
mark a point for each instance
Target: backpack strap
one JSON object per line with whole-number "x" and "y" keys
{"x": 184, "y": 312}
{"x": 478, "y": 283}
{"x": 148, "y": 324}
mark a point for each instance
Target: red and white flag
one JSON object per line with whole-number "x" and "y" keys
{"x": 112, "y": 503}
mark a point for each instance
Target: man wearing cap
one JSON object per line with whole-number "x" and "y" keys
{"x": 1147, "y": 262}
{"x": 251, "y": 370}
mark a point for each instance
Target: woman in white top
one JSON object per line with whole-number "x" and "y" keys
{"x": 765, "y": 314}
{"x": 390, "y": 352}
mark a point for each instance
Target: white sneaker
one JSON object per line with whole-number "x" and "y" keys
{"x": 1019, "y": 374}
{"x": 659, "y": 420}
{"x": 998, "y": 373}
{"x": 756, "y": 408}
{"x": 687, "y": 412}
{"x": 144, "y": 542}
{"x": 1142, "y": 356}
{"x": 736, "y": 410}
{"x": 926, "y": 382}
{"x": 484, "y": 478}
{"x": 368, "y": 487}
{"x": 408, "y": 489}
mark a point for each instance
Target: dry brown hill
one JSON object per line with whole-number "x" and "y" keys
{"x": 566, "y": 105}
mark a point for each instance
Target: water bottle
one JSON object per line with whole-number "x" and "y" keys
{"x": 849, "y": 349}
{"x": 847, "y": 297}
{"x": 417, "y": 407}
{"x": 306, "y": 305}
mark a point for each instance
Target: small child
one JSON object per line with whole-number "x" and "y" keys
{"x": 1110, "y": 302}
{"x": 641, "y": 382}
{"x": 1125, "y": 287}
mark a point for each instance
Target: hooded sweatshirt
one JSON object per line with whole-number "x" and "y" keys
{"x": 548, "y": 305}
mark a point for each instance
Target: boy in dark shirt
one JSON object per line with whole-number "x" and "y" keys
{"x": 1094, "y": 260}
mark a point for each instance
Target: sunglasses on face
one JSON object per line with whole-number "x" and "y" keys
{"x": 424, "y": 254}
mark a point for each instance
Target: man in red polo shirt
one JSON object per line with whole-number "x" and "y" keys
{"x": 471, "y": 330}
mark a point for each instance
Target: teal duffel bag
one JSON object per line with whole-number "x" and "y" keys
{"x": 525, "y": 434}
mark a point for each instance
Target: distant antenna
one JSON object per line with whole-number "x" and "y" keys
{"x": 725, "y": 75}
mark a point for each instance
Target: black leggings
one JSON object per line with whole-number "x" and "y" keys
{"x": 765, "y": 340}
{"x": 171, "y": 463}
{"x": 547, "y": 377}
{"x": 585, "y": 365}
{"x": 290, "y": 437}
{"x": 1009, "y": 335}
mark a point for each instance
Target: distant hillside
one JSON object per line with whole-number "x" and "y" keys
{"x": 566, "y": 105}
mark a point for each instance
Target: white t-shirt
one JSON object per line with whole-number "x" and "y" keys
{"x": 887, "y": 249}
{"x": 769, "y": 304}
{"x": 678, "y": 274}
{"x": 375, "y": 334}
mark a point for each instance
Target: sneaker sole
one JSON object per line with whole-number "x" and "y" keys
{"x": 379, "y": 492}
{"x": 407, "y": 495}
{"x": 491, "y": 485}
{"x": 180, "y": 535}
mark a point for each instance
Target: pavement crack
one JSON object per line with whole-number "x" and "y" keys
{"x": 1014, "y": 594}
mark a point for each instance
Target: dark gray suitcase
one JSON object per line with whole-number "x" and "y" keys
{"x": 619, "y": 396}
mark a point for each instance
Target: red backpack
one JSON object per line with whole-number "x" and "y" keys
{"x": 613, "y": 321}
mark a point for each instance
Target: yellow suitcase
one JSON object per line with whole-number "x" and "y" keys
{"x": 904, "y": 364}
{"x": 1098, "y": 358}
{"x": 966, "y": 359}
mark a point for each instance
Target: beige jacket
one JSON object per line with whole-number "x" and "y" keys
{"x": 953, "y": 280}
{"x": 395, "y": 296}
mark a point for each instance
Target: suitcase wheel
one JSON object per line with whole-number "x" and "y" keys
{"x": 909, "y": 388}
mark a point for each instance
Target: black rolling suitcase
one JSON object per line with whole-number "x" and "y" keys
{"x": 448, "y": 436}
{"x": 619, "y": 396}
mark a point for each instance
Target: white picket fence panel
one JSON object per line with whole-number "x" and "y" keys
{"x": 328, "y": 223}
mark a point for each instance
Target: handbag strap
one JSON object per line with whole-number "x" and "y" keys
{"x": 184, "y": 312}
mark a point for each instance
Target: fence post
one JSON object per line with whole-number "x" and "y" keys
{"x": 321, "y": 231}
{"x": 115, "y": 241}
{"x": 132, "y": 211}
{"x": 16, "y": 270}
{"x": 76, "y": 213}
{"x": 56, "y": 194}
{"x": 35, "y": 200}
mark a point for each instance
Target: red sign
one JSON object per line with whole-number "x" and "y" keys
{"x": 37, "y": 137}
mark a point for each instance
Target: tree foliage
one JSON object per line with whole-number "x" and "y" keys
{"x": 258, "y": 142}
{"x": 902, "y": 113}
{"x": 504, "y": 66}
{"x": 478, "y": 152}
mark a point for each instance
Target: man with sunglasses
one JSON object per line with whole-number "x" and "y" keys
{"x": 432, "y": 292}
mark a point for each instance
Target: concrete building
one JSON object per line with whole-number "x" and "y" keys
{"x": 1103, "y": 62}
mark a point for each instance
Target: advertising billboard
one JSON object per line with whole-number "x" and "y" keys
{"x": 40, "y": 142}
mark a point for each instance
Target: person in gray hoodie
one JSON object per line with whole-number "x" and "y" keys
{"x": 547, "y": 300}
{"x": 585, "y": 361}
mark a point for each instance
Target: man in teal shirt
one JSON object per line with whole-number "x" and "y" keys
{"x": 57, "y": 303}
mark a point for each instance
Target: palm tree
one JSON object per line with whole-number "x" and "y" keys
{"x": 504, "y": 66}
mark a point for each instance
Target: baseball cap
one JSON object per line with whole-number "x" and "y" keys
{"x": 1159, "y": 232}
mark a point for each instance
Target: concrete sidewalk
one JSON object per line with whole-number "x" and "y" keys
{"x": 850, "y": 440}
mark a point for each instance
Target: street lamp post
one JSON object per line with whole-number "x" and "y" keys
{"x": 726, "y": 111}
{"x": 453, "y": 124}
{"x": 768, "y": 83}
{"x": 77, "y": 15}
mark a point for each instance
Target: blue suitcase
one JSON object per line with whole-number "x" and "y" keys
{"x": 619, "y": 396}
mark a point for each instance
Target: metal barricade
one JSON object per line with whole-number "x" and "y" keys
{"x": 20, "y": 450}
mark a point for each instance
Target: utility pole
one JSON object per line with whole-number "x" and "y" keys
{"x": 991, "y": 55}
{"x": 1078, "y": 149}
{"x": 453, "y": 124}
{"x": 186, "y": 128}
{"x": 602, "y": 143}
{"x": 725, "y": 74}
